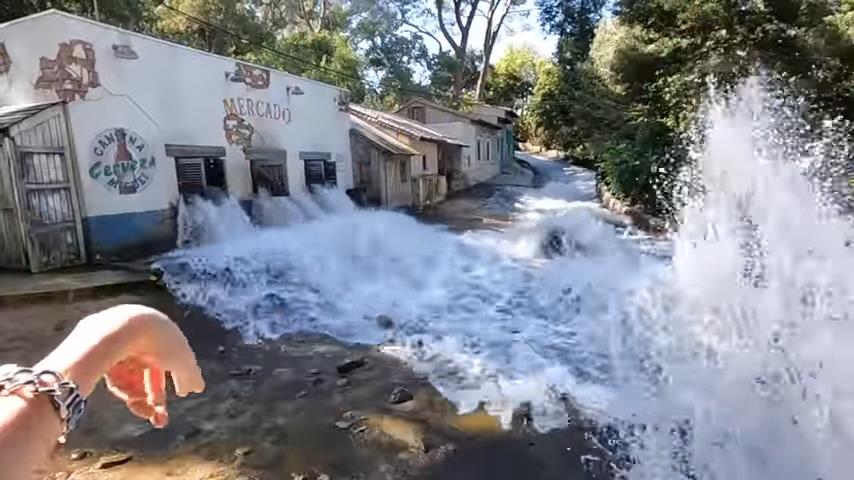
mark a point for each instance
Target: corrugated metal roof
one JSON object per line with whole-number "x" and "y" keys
{"x": 381, "y": 138}
{"x": 404, "y": 125}
{"x": 12, "y": 114}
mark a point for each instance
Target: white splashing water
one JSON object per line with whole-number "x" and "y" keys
{"x": 729, "y": 359}
{"x": 744, "y": 344}
{"x": 488, "y": 316}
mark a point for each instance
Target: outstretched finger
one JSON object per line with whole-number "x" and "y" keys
{"x": 155, "y": 389}
{"x": 188, "y": 379}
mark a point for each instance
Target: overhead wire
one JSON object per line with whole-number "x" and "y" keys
{"x": 294, "y": 58}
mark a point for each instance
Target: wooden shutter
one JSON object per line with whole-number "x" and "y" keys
{"x": 271, "y": 176}
{"x": 331, "y": 176}
{"x": 191, "y": 176}
{"x": 314, "y": 172}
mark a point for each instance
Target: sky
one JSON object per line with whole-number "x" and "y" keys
{"x": 522, "y": 30}
{"x": 519, "y": 29}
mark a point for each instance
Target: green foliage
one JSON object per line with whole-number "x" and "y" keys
{"x": 513, "y": 77}
{"x": 130, "y": 14}
{"x": 221, "y": 16}
{"x": 624, "y": 99}
{"x": 445, "y": 66}
{"x": 324, "y": 56}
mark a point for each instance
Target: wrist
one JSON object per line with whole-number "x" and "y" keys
{"x": 87, "y": 353}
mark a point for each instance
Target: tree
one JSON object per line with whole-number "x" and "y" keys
{"x": 495, "y": 14}
{"x": 447, "y": 72}
{"x": 324, "y": 56}
{"x": 280, "y": 16}
{"x": 463, "y": 13}
{"x": 574, "y": 22}
{"x": 393, "y": 51}
{"x": 216, "y": 26}
{"x": 514, "y": 77}
{"x": 130, "y": 14}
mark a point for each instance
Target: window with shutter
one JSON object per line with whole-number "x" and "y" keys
{"x": 418, "y": 114}
{"x": 330, "y": 175}
{"x": 314, "y": 172}
{"x": 271, "y": 176}
{"x": 191, "y": 176}
{"x": 320, "y": 170}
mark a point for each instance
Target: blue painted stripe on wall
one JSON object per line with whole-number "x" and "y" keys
{"x": 128, "y": 236}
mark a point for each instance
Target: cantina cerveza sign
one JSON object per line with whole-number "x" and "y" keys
{"x": 121, "y": 161}
{"x": 250, "y": 107}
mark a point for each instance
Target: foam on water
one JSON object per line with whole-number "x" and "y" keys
{"x": 738, "y": 360}
{"x": 726, "y": 361}
{"x": 496, "y": 317}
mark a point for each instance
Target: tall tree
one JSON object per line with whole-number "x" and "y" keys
{"x": 574, "y": 22}
{"x": 514, "y": 76}
{"x": 217, "y": 26}
{"x": 457, "y": 31}
{"x": 130, "y": 14}
{"x": 495, "y": 13}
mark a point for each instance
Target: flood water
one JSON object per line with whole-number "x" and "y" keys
{"x": 724, "y": 360}
{"x": 718, "y": 353}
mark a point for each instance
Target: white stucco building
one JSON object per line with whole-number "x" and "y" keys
{"x": 103, "y": 129}
{"x": 482, "y": 158}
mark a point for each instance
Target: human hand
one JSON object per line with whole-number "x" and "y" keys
{"x": 157, "y": 346}
{"x": 133, "y": 347}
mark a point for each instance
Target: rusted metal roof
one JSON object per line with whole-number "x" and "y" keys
{"x": 404, "y": 125}
{"x": 380, "y": 138}
{"x": 12, "y": 114}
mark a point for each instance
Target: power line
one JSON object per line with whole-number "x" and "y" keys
{"x": 292, "y": 57}
{"x": 260, "y": 45}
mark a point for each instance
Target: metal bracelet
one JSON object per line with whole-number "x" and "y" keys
{"x": 64, "y": 394}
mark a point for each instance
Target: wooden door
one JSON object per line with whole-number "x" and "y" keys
{"x": 12, "y": 248}
{"x": 46, "y": 181}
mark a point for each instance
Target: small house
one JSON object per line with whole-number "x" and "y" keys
{"x": 506, "y": 117}
{"x": 437, "y": 158}
{"x": 481, "y": 159}
{"x": 103, "y": 130}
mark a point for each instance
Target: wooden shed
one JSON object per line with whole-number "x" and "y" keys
{"x": 382, "y": 165}
{"x": 40, "y": 220}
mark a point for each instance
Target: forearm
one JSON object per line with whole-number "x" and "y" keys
{"x": 29, "y": 427}
{"x": 29, "y": 424}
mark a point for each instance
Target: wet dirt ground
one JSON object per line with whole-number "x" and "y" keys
{"x": 287, "y": 409}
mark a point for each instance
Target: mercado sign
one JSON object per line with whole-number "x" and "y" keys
{"x": 250, "y": 107}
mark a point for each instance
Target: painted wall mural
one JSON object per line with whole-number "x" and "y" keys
{"x": 237, "y": 130}
{"x": 71, "y": 74}
{"x": 121, "y": 161}
{"x": 254, "y": 77}
{"x": 5, "y": 60}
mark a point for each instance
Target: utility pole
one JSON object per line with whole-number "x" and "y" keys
{"x": 97, "y": 13}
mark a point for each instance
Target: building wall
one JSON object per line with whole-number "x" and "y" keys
{"x": 398, "y": 193}
{"x": 472, "y": 171}
{"x": 430, "y": 150}
{"x": 382, "y": 173}
{"x": 432, "y": 115}
{"x": 168, "y": 94}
